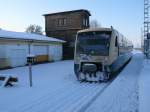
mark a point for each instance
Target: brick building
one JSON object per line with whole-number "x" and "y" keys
{"x": 65, "y": 26}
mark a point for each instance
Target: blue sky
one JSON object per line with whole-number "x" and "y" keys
{"x": 124, "y": 15}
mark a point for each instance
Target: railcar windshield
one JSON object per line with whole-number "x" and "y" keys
{"x": 93, "y": 43}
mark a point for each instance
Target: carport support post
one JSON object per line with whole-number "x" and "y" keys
{"x": 30, "y": 74}
{"x": 30, "y": 66}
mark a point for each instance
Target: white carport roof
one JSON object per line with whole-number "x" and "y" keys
{"x": 26, "y": 36}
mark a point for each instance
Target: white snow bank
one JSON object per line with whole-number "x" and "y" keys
{"x": 122, "y": 94}
{"x": 144, "y": 85}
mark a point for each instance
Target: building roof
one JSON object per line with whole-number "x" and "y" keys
{"x": 65, "y": 12}
{"x": 26, "y": 36}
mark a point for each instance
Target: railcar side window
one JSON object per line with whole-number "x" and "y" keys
{"x": 116, "y": 42}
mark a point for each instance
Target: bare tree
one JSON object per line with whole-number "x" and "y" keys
{"x": 34, "y": 29}
{"x": 94, "y": 24}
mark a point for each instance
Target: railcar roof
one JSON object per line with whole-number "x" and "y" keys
{"x": 95, "y": 29}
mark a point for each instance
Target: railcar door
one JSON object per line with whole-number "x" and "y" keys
{"x": 114, "y": 52}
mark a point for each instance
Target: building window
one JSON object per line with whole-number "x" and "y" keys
{"x": 62, "y": 22}
{"x": 59, "y": 22}
{"x": 85, "y": 22}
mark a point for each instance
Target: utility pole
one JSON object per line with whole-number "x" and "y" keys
{"x": 146, "y": 28}
{"x": 146, "y": 18}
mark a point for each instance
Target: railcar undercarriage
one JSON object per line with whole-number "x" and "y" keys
{"x": 90, "y": 72}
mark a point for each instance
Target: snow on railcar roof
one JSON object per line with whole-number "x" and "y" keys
{"x": 95, "y": 29}
{"x": 26, "y": 36}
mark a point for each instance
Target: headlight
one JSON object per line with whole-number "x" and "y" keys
{"x": 106, "y": 59}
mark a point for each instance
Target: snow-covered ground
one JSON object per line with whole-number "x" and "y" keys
{"x": 122, "y": 95}
{"x": 55, "y": 89}
{"x": 144, "y": 85}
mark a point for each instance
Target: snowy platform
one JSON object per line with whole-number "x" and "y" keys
{"x": 55, "y": 89}
{"x": 144, "y": 87}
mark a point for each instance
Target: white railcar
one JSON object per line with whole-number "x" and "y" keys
{"x": 99, "y": 53}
